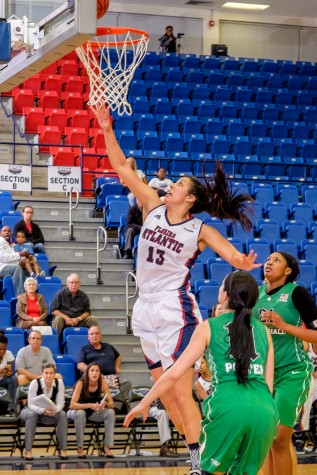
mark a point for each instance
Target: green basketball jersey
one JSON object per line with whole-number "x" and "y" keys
{"x": 221, "y": 363}
{"x": 287, "y": 349}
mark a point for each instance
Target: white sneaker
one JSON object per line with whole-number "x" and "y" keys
{"x": 42, "y": 273}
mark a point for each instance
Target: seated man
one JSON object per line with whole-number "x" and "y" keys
{"x": 10, "y": 261}
{"x": 133, "y": 228}
{"x": 107, "y": 357}
{"x": 31, "y": 358}
{"x": 159, "y": 413}
{"x": 71, "y": 306}
{"x": 31, "y": 230}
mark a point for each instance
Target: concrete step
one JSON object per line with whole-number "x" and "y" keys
{"x": 137, "y": 377}
{"x": 78, "y": 254}
{"x": 81, "y": 233}
{"x": 109, "y": 300}
{"x": 55, "y": 213}
{"x": 89, "y": 276}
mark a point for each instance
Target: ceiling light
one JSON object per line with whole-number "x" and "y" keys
{"x": 245, "y": 6}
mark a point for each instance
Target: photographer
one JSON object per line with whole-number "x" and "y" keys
{"x": 168, "y": 41}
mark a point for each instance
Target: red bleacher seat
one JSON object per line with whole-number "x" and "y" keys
{"x": 48, "y": 135}
{"x": 22, "y": 98}
{"x": 73, "y": 84}
{"x": 32, "y": 118}
{"x": 71, "y": 55}
{"x": 90, "y": 162}
{"x": 105, "y": 163}
{"x": 79, "y": 118}
{"x": 48, "y": 99}
{"x": 67, "y": 66}
{"x": 51, "y": 69}
{"x": 52, "y": 82}
{"x": 56, "y": 117}
{"x": 72, "y": 100}
{"x": 97, "y": 139}
{"x": 34, "y": 83}
{"x": 76, "y": 136}
{"x": 88, "y": 184}
{"x": 63, "y": 156}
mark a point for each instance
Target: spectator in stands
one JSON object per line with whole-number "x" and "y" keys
{"x": 139, "y": 173}
{"x": 92, "y": 400}
{"x": 203, "y": 383}
{"x": 107, "y": 357}
{"x": 168, "y": 41}
{"x": 10, "y": 261}
{"x": 133, "y": 227}
{"x": 31, "y": 264}
{"x": 31, "y": 358}
{"x": 7, "y": 377}
{"x": 159, "y": 413}
{"x": 53, "y": 388}
{"x": 31, "y": 306}
{"x": 161, "y": 184}
{"x": 71, "y": 306}
{"x": 217, "y": 310}
{"x": 31, "y": 230}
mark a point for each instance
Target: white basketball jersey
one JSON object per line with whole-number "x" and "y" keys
{"x": 166, "y": 252}
{"x": 205, "y": 384}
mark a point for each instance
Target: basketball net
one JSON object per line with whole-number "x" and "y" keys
{"x": 110, "y": 67}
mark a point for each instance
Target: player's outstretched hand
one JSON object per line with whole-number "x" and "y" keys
{"x": 103, "y": 116}
{"x": 139, "y": 410}
{"x": 247, "y": 262}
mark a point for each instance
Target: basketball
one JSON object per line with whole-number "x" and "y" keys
{"x": 102, "y": 7}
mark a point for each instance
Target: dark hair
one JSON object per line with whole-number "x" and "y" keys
{"x": 216, "y": 198}
{"x": 27, "y": 206}
{"x": 3, "y": 338}
{"x": 169, "y": 26}
{"x": 48, "y": 366}
{"x": 85, "y": 379}
{"x": 243, "y": 292}
{"x": 292, "y": 264}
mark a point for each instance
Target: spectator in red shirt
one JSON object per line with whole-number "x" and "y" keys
{"x": 31, "y": 306}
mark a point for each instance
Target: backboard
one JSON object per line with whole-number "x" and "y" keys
{"x": 61, "y": 28}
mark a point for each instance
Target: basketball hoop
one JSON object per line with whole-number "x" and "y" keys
{"x": 110, "y": 74}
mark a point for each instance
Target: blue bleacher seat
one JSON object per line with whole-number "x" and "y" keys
{"x": 276, "y": 210}
{"x": 106, "y": 190}
{"x": 11, "y": 220}
{"x": 239, "y": 233}
{"x": 262, "y": 192}
{"x": 309, "y": 194}
{"x": 295, "y": 230}
{"x": 260, "y": 246}
{"x": 51, "y": 342}
{"x": 268, "y": 229}
{"x": 217, "y": 224}
{"x": 301, "y": 212}
{"x": 218, "y": 269}
{"x": 5, "y": 312}
{"x": 15, "y": 340}
{"x": 49, "y": 290}
{"x": 307, "y": 272}
{"x": 309, "y": 250}
{"x": 285, "y": 245}
{"x": 73, "y": 345}
{"x": 6, "y": 202}
{"x": 208, "y": 296}
{"x": 114, "y": 209}
{"x": 9, "y": 294}
{"x": 66, "y": 366}
{"x": 197, "y": 272}
{"x": 287, "y": 193}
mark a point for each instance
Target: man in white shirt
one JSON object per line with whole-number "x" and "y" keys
{"x": 160, "y": 183}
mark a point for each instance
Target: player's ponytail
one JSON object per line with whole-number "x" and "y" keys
{"x": 242, "y": 290}
{"x": 216, "y": 198}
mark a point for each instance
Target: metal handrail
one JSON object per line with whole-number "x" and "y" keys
{"x": 100, "y": 228}
{"x": 71, "y": 224}
{"x": 127, "y": 297}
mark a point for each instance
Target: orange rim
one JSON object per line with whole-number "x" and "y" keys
{"x": 117, "y": 30}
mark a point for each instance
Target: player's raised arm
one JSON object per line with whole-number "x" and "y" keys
{"x": 210, "y": 237}
{"x": 148, "y": 197}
